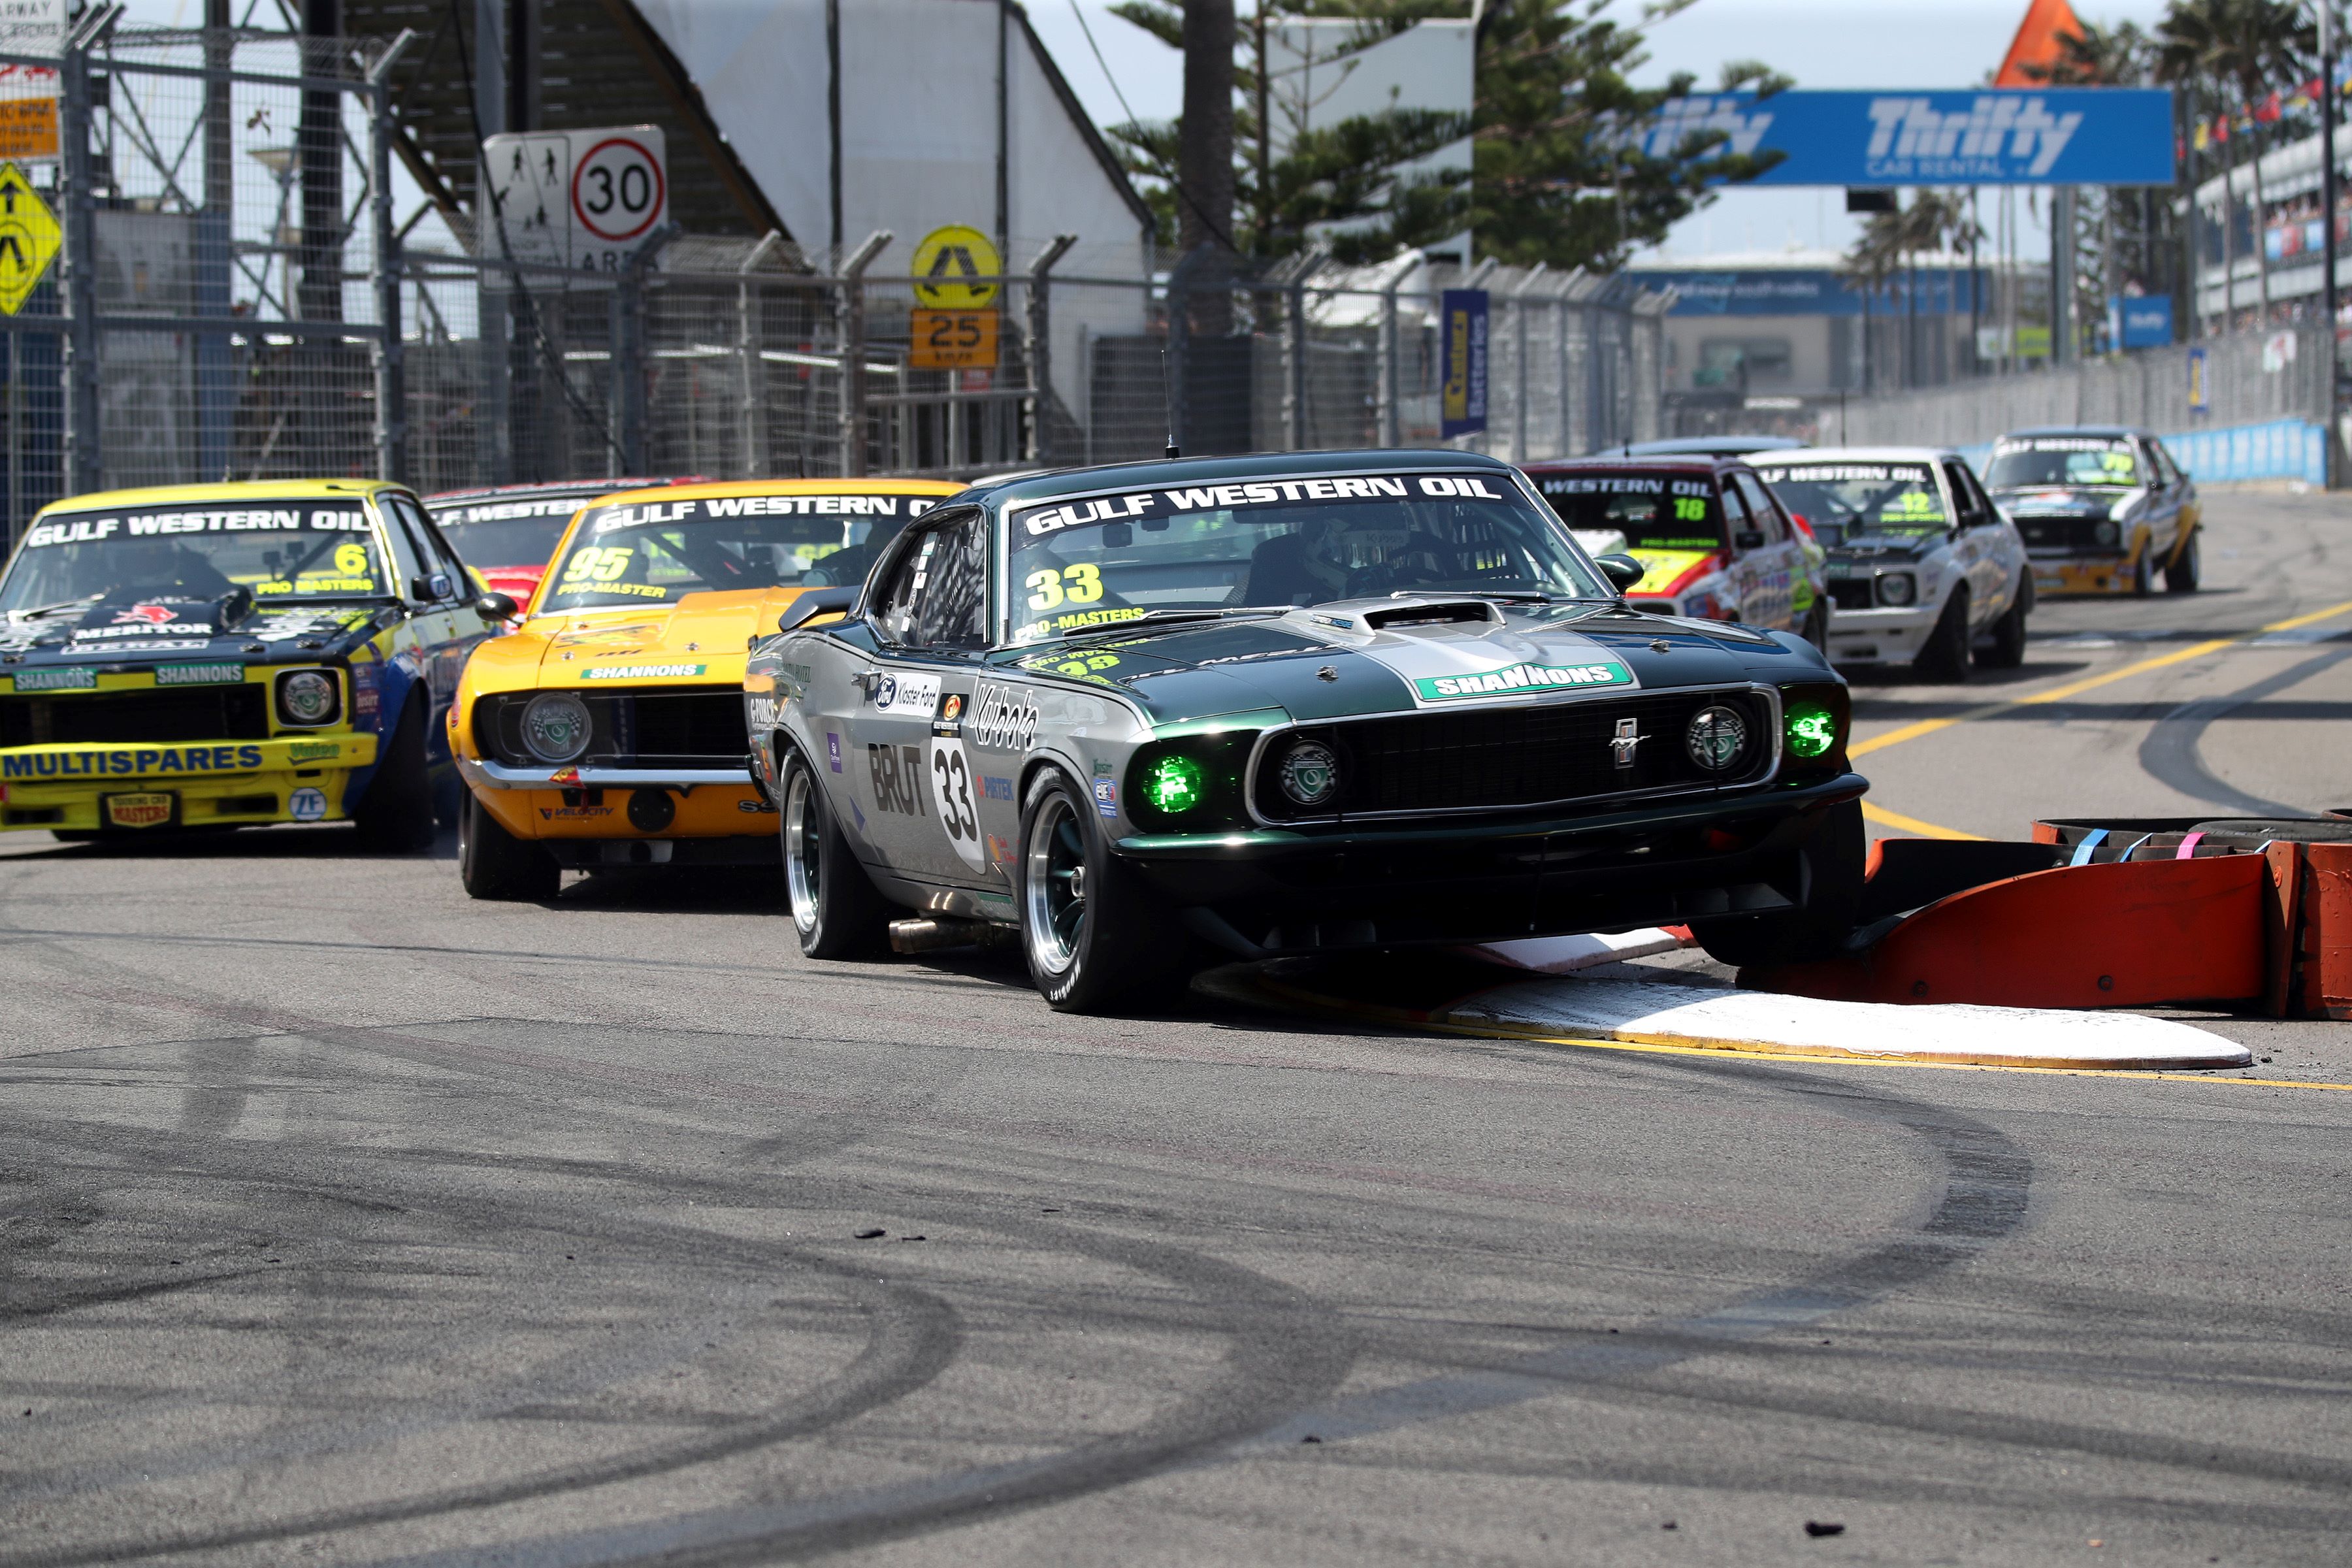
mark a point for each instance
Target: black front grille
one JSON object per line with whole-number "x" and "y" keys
{"x": 1496, "y": 759}
{"x": 699, "y": 728}
{"x": 1850, "y": 593}
{"x": 2077, "y": 534}
{"x": 147, "y": 718}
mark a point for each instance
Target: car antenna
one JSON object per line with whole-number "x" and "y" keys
{"x": 1168, "y": 404}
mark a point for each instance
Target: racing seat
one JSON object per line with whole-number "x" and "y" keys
{"x": 1278, "y": 574}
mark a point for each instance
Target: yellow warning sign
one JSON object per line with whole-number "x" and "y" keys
{"x": 30, "y": 238}
{"x": 946, "y": 259}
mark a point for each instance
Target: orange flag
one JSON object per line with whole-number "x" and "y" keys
{"x": 2036, "y": 44}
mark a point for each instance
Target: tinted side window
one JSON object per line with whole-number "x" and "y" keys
{"x": 952, "y": 608}
{"x": 1735, "y": 511}
{"x": 936, "y": 593}
{"x": 406, "y": 558}
{"x": 1764, "y": 508}
{"x": 2160, "y": 462}
{"x": 1967, "y": 506}
{"x": 436, "y": 550}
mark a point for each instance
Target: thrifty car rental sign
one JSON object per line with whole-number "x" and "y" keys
{"x": 2044, "y": 136}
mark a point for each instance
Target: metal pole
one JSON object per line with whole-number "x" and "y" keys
{"x": 629, "y": 360}
{"x": 1519, "y": 357}
{"x": 754, "y": 409}
{"x": 1040, "y": 345}
{"x": 852, "y": 335}
{"x": 2062, "y": 276}
{"x": 82, "y": 434}
{"x": 391, "y": 377}
{"x": 1390, "y": 375}
{"x": 2327, "y": 183}
{"x": 1294, "y": 351}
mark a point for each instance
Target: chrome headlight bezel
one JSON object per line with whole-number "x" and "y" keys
{"x": 1898, "y": 590}
{"x": 545, "y": 721}
{"x": 307, "y": 699}
{"x": 1716, "y": 730}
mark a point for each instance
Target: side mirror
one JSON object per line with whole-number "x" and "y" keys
{"x": 495, "y": 607}
{"x": 1622, "y": 571}
{"x": 1748, "y": 539}
{"x": 816, "y": 602}
{"x": 432, "y": 588}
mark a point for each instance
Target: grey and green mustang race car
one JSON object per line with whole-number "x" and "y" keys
{"x": 1287, "y": 705}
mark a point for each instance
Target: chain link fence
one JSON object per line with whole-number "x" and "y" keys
{"x": 239, "y": 297}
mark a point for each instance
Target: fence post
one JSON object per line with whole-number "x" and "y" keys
{"x": 851, "y": 304}
{"x": 1520, "y": 329}
{"x": 1174, "y": 379}
{"x": 1391, "y": 375}
{"x": 390, "y": 380}
{"x": 754, "y": 434}
{"x": 1041, "y": 343}
{"x": 1294, "y": 354}
{"x": 1560, "y": 306}
{"x": 82, "y": 465}
{"x": 629, "y": 361}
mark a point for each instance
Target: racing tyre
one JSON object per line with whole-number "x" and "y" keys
{"x": 395, "y": 815}
{"x": 836, "y": 910}
{"x": 1087, "y": 928}
{"x": 2007, "y": 648}
{"x": 494, "y": 864}
{"x": 1817, "y": 628}
{"x": 2181, "y": 577}
{"x": 1835, "y": 861}
{"x": 2143, "y": 576}
{"x": 1944, "y": 657}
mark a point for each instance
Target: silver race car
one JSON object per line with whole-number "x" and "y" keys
{"x": 1286, "y": 705}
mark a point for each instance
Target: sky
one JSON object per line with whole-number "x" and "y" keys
{"x": 1821, "y": 43}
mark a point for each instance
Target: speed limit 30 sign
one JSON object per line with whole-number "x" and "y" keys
{"x": 586, "y": 199}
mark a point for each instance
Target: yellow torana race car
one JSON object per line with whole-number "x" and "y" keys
{"x": 608, "y": 730}
{"x": 197, "y": 657}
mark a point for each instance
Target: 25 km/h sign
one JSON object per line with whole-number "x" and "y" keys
{"x": 29, "y": 238}
{"x": 947, "y": 261}
{"x": 577, "y": 198}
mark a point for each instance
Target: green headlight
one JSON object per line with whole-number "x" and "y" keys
{"x": 1812, "y": 730}
{"x": 1175, "y": 785}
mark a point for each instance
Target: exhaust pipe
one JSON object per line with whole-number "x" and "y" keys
{"x": 929, "y": 933}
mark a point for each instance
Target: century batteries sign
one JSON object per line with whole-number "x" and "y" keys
{"x": 2042, "y": 136}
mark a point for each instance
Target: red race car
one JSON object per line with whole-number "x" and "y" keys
{"x": 507, "y": 531}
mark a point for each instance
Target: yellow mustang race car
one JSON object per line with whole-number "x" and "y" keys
{"x": 609, "y": 730}
{"x": 217, "y": 656}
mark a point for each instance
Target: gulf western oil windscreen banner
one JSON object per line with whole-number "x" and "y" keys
{"x": 2040, "y": 136}
{"x": 1464, "y": 407}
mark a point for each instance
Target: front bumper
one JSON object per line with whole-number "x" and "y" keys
{"x": 1880, "y": 635}
{"x": 658, "y": 811}
{"x": 212, "y": 783}
{"x": 2073, "y": 573}
{"x": 1272, "y": 891}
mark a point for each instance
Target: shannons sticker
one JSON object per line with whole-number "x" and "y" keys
{"x": 642, "y": 671}
{"x": 1520, "y": 678}
{"x": 77, "y": 678}
{"x": 199, "y": 674}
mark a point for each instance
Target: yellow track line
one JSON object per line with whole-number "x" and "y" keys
{"x": 1895, "y": 819}
{"x": 2074, "y": 687}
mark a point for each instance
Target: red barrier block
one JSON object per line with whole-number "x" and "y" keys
{"x": 2327, "y": 919}
{"x": 2125, "y": 934}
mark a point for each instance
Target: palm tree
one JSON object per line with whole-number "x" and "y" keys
{"x": 1893, "y": 242}
{"x": 2242, "y": 47}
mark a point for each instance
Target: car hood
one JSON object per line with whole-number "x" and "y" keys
{"x": 1348, "y": 660}
{"x": 165, "y": 630}
{"x": 702, "y": 637}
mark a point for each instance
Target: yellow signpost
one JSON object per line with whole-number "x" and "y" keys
{"x": 30, "y": 238}
{"x": 946, "y": 262}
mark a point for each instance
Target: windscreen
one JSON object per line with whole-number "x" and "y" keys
{"x": 1840, "y": 501}
{"x": 1276, "y": 543}
{"x": 2072, "y": 461}
{"x": 1653, "y": 511}
{"x": 518, "y": 533}
{"x": 283, "y": 551}
{"x": 651, "y": 553}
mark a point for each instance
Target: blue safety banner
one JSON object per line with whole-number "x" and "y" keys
{"x": 2037, "y": 136}
{"x": 1463, "y": 410}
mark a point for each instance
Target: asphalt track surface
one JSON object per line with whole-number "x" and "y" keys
{"x": 344, "y": 1220}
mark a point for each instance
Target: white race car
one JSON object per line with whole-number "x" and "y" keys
{"x": 1923, "y": 567}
